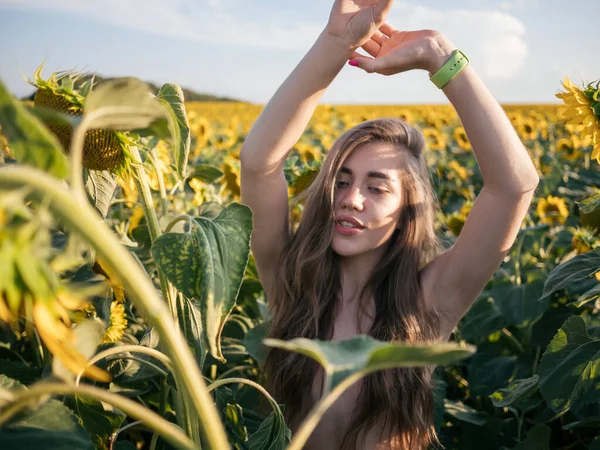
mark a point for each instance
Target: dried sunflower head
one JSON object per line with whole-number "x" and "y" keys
{"x": 65, "y": 92}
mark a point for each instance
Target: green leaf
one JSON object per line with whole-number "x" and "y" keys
{"x": 590, "y": 422}
{"x": 128, "y": 105}
{"x": 101, "y": 423}
{"x": 482, "y": 319}
{"x": 190, "y": 323}
{"x": 516, "y": 390}
{"x": 172, "y": 97}
{"x": 595, "y": 445}
{"x": 538, "y": 438}
{"x": 365, "y": 355}
{"x": 206, "y": 173}
{"x": 589, "y": 204}
{"x": 253, "y": 342}
{"x": 570, "y": 367}
{"x": 273, "y": 434}
{"x": 51, "y": 426}
{"x": 487, "y": 373}
{"x": 234, "y": 424}
{"x": 518, "y": 302}
{"x": 20, "y": 371}
{"x": 464, "y": 413}
{"x": 101, "y": 187}
{"x": 586, "y": 297}
{"x": 30, "y": 141}
{"x": 207, "y": 265}
{"x": 576, "y": 269}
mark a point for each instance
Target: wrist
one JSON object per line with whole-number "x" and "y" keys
{"x": 337, "y": 44}
{"x": 440, "y": 50}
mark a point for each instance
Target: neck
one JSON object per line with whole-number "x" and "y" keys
{"x": 355, "y": 271}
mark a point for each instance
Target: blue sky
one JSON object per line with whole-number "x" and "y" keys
{"x": 246, "y": 48}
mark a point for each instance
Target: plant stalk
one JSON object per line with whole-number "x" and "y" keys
{"x": 166, "y": 429}
{"x": 83, "y": 219}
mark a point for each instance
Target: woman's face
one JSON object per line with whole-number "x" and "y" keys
{"x": 368, "y": 188}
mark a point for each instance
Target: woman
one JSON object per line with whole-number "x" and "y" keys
{"x": 365, "y": 259}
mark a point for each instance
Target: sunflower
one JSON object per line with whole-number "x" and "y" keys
{"x": 569, "y": 148}
{"x": 117, "y": 323}
{"x": 460, "y": 171}
{"x": 460, "y": 136}
{"x": 434, "y": 138}
{"x": 583, "y": 240}
{"x": 527, "y": 130}
{"x": 583, "y": 108}
{"x": 552, "y": 210}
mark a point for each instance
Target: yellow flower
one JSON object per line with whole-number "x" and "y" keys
{"x": 569, "y": 148}
{"x": 434, "y": 138}
{"x": 118, "y": 323}
{"x": 552, "y": 210}
{"x": 528, "y": 130}
{"x": 460, "y": 171}
{"x": 584, "y": 240}
{"x": 579, "y": 111}
{"x": 460, "y": 136}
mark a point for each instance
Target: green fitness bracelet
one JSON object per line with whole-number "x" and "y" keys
{"x": 457, "y": 62}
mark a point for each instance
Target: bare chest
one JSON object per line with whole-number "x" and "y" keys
{"x": 333, "y": 426}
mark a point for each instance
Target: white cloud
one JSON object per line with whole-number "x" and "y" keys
{"x": 493, "y": 39}
{"x": 210, "y": 21}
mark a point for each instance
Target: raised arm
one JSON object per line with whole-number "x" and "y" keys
{"x": 454, "y": 279}
{"x": 284, "y": 119}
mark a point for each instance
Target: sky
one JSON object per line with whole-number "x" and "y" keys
{"x": 245, "y": 49}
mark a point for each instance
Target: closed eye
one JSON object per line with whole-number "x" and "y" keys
{"x": 341, "y": 184}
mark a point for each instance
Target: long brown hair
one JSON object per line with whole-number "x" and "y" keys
{"x": 305, "y": 295}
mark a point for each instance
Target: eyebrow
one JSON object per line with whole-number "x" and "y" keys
{"x": 371, "y": 174}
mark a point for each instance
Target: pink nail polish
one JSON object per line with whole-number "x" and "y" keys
{"x": 353, "y": 62}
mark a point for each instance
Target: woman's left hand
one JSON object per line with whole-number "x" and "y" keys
{"x": 395, "y": 51}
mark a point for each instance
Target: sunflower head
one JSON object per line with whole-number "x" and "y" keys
{"x": 583, "y": 240}
{"x": 552, "y": 210}
{"x": 65, "y": 92}
{"x": 582, "y": 108}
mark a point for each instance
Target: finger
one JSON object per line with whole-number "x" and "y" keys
{"x": 378, "y": 37}
{"x": 387, "y": 29}
{"x": 371, "y": 47}
{"x": 381, "y": 10}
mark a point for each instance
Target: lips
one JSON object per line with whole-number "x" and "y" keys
{"x": 352, "y": 220}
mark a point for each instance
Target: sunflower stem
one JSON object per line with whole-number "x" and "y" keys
{"x": 85, "y": 221}
{"x": 166, "y": 429}
{"x": 141, "y": 181}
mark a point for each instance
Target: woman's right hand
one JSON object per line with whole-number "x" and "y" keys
{"x": 355, "y": 21}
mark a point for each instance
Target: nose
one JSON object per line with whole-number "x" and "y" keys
{"x": 353, "y": 199}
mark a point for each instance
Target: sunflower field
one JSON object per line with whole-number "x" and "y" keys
{"x": 132, "y": 317}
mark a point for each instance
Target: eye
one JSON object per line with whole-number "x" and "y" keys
{"x": 341, "y": 183}
{"x": 378, "y": 191}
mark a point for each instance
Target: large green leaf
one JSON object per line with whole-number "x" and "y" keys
{"x": 576, "y": 269}
{"x": 172, "y": 97}
{"x": 515, "y": 391}
{"x": 253, "y": 342}
{"x": 51, "y": 426}
{"x": 487, "y": 373}
{"x": 273, "y": 434}
{"x": 570, "y": 367}
{"x": 190, "y": 323}
{"x": 207, "y": 265}
{"x": 127, "y": 103}
{"x": 30, "y": 141}
{"x": 365, "y": 355}
{"x": 518, "y": 302}
{"x": 101, "y": 187}
{"x": 538, "y": 438}
{"x": 206, "y": 173}
{"x": 482, "y": 319}
{"x": 101, "y": 422}
{"x": 464, "y": 413}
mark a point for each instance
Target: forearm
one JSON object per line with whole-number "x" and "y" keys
{"x": 285, "y": 117}
{"x": 503, "y": 160}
